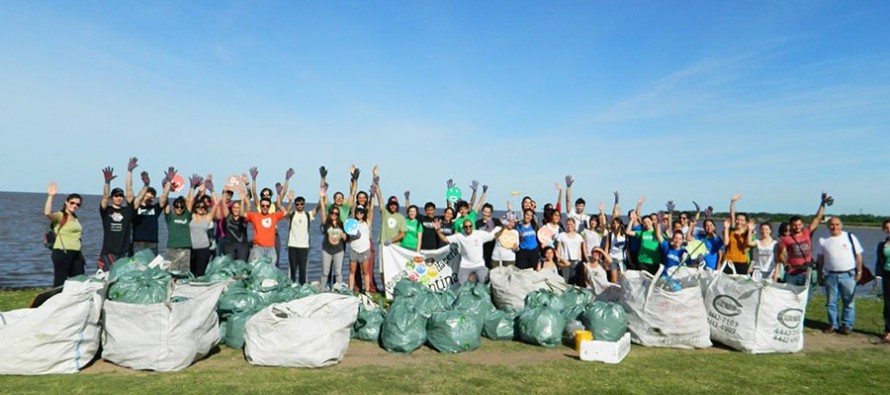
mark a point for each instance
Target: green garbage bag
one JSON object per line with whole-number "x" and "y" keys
{"x": 426, "y": 303}
{"x": 475, "y": 300}
{"x": 575, "y": 302}
{"x": 607, "y": 321}
{"x": 541, "y": 326}
{"x": 453, "y": 331}
{"x": 368, "y": 323}
{"x": 144, "y": 257}
{"x": 266, "y": 277}
{"x": 238, "y": 300}
{"x": 222, "y": 329}
{"x": 542, "y": 298}
{"x": 404, "y": 329}
{"x": 406, "y": 288}
{"x": 446, "y": 297}
{"x": 235, "y": 328}
{"x": 500, "y": 325}
{"x": 148, "y": 287}
{"x": 125, "y": 267}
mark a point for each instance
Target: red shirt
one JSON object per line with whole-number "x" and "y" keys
{"x": 264, "y": 227}
{"x": 800, "y": 248}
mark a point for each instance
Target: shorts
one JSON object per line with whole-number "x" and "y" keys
{"x": 359, "y": 257}
{"x": 616, "y": 264}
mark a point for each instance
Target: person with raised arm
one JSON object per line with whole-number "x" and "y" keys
{"x": 465, "y": 210}
{"x": 429, "y": 240}
{"x": 360, "y": 245}
{"x": 145, "y": 221}
{"x": 199, "y": 232}
{"x": 177, "y": 218}
{"x": 339, "y": 200}
{"x": 616, "y": 242}
{"x": 712, "y": 247}
{"x": 116, "y": 218}
{"x": 298, "y": 240}
{"x": 265, "y": 223}
{"x": 233, "y": 217}
{"x": 527, "y": 257}
{"x": 650, "y": 239}
{"x": 392, "y": 224}
{"x": 488, "y": 223}
{"x": 332, "y": 245}
{"x": 507, "y": 244}
{"x": 736, "y": 238}
{"x": 470, "y": 243}
{"x": 66, "y": 255}
{"x": 595, "y": 230}
{"x": 633, "y": 243}
{"x": 796, "y": 249}
{"x": 413, "y": 228}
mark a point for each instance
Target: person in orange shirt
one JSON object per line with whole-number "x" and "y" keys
{"x": 265, "y": 223}
{"x": 736, "y": 239}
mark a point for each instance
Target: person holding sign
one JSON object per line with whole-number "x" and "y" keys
{"x": 392, "y": 224}
{"x": 470, "y": 242}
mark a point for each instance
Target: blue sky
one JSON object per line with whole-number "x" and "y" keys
{"x": 777, "y": 100}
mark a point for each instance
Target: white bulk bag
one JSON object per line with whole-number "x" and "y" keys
{"x": 311, "y": 332}
{"x": 510, "y": 285}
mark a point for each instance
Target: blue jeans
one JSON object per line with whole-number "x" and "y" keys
{"x": 796, "y": 279}
{"x": 843, "y": 284}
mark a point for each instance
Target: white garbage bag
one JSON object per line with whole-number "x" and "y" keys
{"x": 510, "y": 285}
{"x": 756, "y": 316}
{"x": 311, "y": 332}
{"x": 657, "y": 317}
{"x": 164, "y": 337}
{"x": 603, "y": 290}
{"x": 60, "y": 336}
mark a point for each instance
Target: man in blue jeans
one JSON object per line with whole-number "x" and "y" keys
{"x": 840, "y": 267}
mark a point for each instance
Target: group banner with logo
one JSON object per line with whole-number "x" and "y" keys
{"x": 436, "y": 269}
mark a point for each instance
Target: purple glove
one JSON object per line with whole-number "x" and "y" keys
{"x": 355, "y": 174}
{"x": 670, "y": 206}
{"x": 195, "y": 180}
{"x": 660, "y": 217}
{"x": 407, "y": 195}
{"x": 171, "y": 172}
{"x": 485, "y": 189}
{"x": 617, "y": 195}
{"x": 278, "y": 188}
{"x": 376, "y": 180}
{"x": 253, "y": 173}
{"x": 145, "y": 179}
{"x": 132, "y": 164}
{"x": 373, "y": 189}
{"x": 108, "y": 173}
{"x": 709, "y": 212}
{"x": 474, "y": 185}
{"x": 569, "y": 181}
{"x": 450, "y": 183}
{"x": 697, "y": 207}
{"x": 827, "y": 200}
{"x": 289, "y": 174}
{"x": 208, "y": 183}
{"x": 323, "y": 172}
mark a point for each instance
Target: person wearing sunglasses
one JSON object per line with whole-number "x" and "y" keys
{"x": 233, "y": 217}
{"x": 178, "y": 216}
{"x": 67, "y": 257}
{"x": 145, "y": 222}
{"x": 332, "y": 251}
{"x": 298, "y": 237}
{"x": 117, "y": 218}
{"x": 360, "y": 246}
{"x": 265, "y": 223}
{"x": 392, "y": 223}
{"x": 199, "y": 231}
{"x": 470, "y": 242}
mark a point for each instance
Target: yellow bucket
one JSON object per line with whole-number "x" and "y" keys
{"x": 581, "y": 336}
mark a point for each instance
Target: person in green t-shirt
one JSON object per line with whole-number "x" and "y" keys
{"x": 463, "y": 208}
{"x": 339, "y": 200}
{"x": 650, "y": 239}
{"x": 178, "y": 216}
{"x": 413, "y": 230}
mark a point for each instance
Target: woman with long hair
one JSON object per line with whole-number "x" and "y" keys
{"x": 66, "y": 254}
{"x": 360, "y": 245}
{"x": 332, "y": 246}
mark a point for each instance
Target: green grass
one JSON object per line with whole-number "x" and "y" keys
{"x": 857, "y": 369}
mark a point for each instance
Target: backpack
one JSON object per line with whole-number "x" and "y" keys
{"x": 49, "y": 237}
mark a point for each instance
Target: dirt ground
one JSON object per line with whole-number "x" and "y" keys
{"x": 362, "y": 353}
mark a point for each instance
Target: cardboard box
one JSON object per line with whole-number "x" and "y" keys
{"x": 603, "y": 351}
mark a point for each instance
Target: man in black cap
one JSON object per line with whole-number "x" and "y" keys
{"x": 116, "y": 218}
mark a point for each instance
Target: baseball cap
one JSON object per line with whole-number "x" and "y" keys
{"x": 392, "y": 200}
{"x": 117, "y": 192}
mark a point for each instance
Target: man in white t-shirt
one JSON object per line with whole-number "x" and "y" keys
{"x": 840, "y": 267}
{"x": 298, "y": 239}
{"x": 471, "y": 255}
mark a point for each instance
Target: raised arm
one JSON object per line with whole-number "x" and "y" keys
{"x": 631, "y": 222}
{"x": 826, "y": 201}
{"x": 602, "y": 217}
{"x": 616, "y": 211}
{"x": 751, "y": 242}
{"x": 108, "y": 174}
{"x": 284, "y": 188}
{"x": 658, "y": 233}
{"x": 353, "y": 182}
{"x": 481, "y": 201}
{"x": 569, "y": 182}
{"x": 141, "y": 195}
{"x": 370, "y": 211}
{"x": 217, "y": 199}
{"x": 323, "y": 203}
{"x": 254, "y": 172}
{"x": 51, "y": 191}
{"x": 474, "y": 186}
{"x": 407, "y": 201}
{"x": 128, "y": 185}
{"x": 558, "y": 205}
{"x": 165, "y": 183}
{"x": 640, "y": 202}
{"x": 736, "y": 197}
{"x": 697, "y": 214}
{"x": 290, "y": 203}
{"x": 194, "y": 182}
{"x": 377, "y": 191}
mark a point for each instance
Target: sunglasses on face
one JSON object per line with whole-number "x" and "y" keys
{"x": 335, "y": 213}
{"x": 265, "y": 206}
{"x": 178, "y": 207}
{"x": 299, "y": 203}
{"x": 75, "y": 204}
{"x": 468, "y": 227}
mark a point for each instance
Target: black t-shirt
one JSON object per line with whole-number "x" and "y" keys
{"x": 235, "y": 229}
{"x": 145, "y": 223}
{"x": 447, "y": 227}
{"x": 429, "y": 240}
{"x": 116, "y": 224}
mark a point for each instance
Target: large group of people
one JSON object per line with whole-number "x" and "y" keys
{"x": 203, "y": 223}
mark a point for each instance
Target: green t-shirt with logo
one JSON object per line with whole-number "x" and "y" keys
{"x": 178, "y": 235}
{"x": 391, "y": 224}
{"x": 459, "y": 222}
{"x": 650, "y": 254}
{"x": 413, "y": 228}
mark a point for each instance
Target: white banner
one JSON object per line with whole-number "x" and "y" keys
{"x": 436, "y": 269}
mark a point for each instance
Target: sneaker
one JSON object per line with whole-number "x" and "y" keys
{"x": 846, "y": 330}
{"x": 829, "y": 330}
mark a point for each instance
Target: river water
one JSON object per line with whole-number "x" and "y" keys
{"x": 25, "y": 262}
